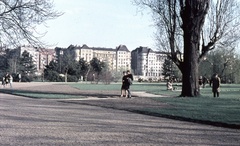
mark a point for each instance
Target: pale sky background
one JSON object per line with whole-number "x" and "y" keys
{"x": 100, "y": 23}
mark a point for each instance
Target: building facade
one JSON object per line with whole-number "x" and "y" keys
{"x": 143, "y": 61}
{"x": 147, "y": 63}
{"x": 117, "y": 59}
{"x": 40, "y": 56}
{"x": 123, "y": 58}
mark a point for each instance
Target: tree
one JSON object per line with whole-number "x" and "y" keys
{"x": 19, "y": 19}
{"x": 83, "y": 68}
{"x": 170, "y": 70}
{"x": 167, "y": 68}
{"x": 3, "y": 62}
{"x": 180, "y": 24}
{"x": 9, "y": 62}
{"x": 68, "y": 65}
{"x": 12, "y": 56}
{"x": 97, "y": 65}
{"x": 51, "y": 72}
{"x": 27, "y": 67}
{"x": 225, "y": 62}
{"x": 96, "y": 68}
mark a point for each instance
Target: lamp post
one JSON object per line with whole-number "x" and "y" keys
{"x": 60, "y": 58}
{"x": 66, "y": 71}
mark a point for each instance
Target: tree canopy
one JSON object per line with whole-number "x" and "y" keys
{"x": 19, "y": 18}
{"x": 189, "y": 29}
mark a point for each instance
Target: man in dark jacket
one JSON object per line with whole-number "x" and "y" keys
{"x": 215, "y": 83}
{"x": 124, "y": 85}
{"x": 130, "y": 79}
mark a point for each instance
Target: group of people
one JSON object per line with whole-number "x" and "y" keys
{"x": 214, "y": 82}
{"x": 7, "y": 79}
{"x": 126, "y": 83}
{"x": 203, "y": 80}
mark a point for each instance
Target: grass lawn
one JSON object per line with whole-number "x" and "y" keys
{"x": 46, "y": 96}
{"x": 205, "y": 109}
{"x": 154, "y": 88}
{"x": 224, "y": 109}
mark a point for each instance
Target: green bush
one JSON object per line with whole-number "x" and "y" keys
{"x": 71, "y": 78}
{"x": 26, "y": 78}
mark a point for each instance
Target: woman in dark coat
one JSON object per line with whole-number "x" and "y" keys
{"x": 129, "y": 78}
{"x": 125, "y": 85}
{"x": 215, "y": 83}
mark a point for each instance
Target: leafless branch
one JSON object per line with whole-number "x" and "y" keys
{"x": 222, "y": 25}
{"x": 19, "y": 18}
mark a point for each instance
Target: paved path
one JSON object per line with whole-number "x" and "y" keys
{"x": 25, "y": 121}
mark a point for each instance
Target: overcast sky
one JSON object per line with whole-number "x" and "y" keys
{"x": 100, "y": 23}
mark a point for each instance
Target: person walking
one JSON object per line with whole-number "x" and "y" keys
{"x": 10, "y": 80}
{"x": 169, "y": 85}
{"x": 124, "y": 85}
{"x": 129, "y": 77}
{"x": 200, "y": 82}
{"x": 205, "y": 81}
{"x": 6, "y": 79}
{"x": 3, "y": 82}
{"x": 19, "y": 77}
{"x": 215, "y": 83}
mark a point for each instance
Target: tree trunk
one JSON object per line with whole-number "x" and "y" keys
{"x": 193, "y": 17}
{"x": 190, "y": 87}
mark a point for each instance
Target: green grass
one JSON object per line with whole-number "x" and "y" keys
{"x": 47, "y": 96}
{"x": 154, "y": 88}
{"x": 206, "y": 109}
{"x": 98, "y": 87}
{"x": 225, "y": 109}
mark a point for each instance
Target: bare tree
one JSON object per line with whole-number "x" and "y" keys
{"x": 187, "y": 36}
{"x": 19, "y": 18}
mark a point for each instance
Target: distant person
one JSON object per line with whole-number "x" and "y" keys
{"x": 200, "y": 81}
{"x": 123, "y": 87}
{"x": 6, "y": 79}
{"x": 10, "y": 80}
{"x": 3, "y": 82}
{"x": 169, "y": 85}
{"x": 215, "y": 83}
{"x": 129, "y": 83}
{"x": 205, "y": 81}
{"x": 19, "y": 77}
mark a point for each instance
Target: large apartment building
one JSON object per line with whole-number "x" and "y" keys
{"x": 117, "y": 59}
{"x": 41, "y": 57}
{"x": 147, "y": 63}
{"x": 143, "y": 61}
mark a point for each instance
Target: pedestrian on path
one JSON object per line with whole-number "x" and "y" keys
{"x": 169, "y": 85}
{"x": 3, "y": 82}
{"x": 10, "y": 80}
{"x": 124, "y": 85}
{"x": 129, "y": 83}
{"x": 215, "y": 83}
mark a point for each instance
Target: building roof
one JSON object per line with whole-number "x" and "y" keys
{"x": 84, "y": 47}
{"x": 103, "y": 49}
{"x": 144, "y": 50}
{"x": 96, "y": 48}
{"x": 122, "y": 48}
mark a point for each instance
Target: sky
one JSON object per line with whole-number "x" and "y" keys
{"x": 99, "y": 23}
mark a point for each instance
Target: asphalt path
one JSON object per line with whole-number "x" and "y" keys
{"x": 25, "y": 121}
